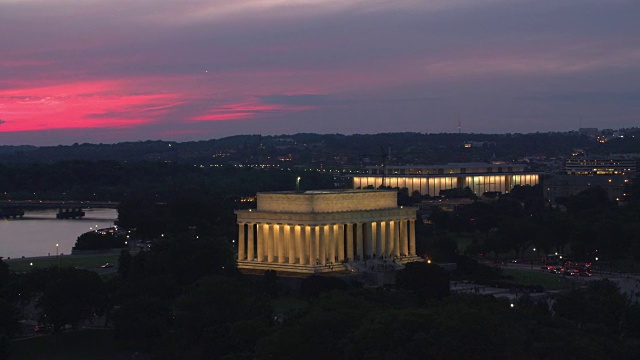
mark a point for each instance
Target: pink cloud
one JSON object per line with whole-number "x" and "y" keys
{"x": 244, "y": 110}
{"x": 78, "y": 105}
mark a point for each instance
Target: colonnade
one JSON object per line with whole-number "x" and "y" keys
{"x": 322, "y": 244}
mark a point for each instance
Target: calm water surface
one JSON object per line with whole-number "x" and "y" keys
{"x": 38, "y": 232}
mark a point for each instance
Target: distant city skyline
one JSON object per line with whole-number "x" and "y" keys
{"x": 112, "y": 71}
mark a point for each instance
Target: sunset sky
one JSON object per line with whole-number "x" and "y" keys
{"x": 122, "y": 70}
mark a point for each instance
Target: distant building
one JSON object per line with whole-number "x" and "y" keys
{"x": 600, "y": 166}
{"x": 470, "y": 144}
{"x": 430, "y": 179}
{"x": 582, "y": 172}
{"x": 324, "y": 231}
{"x": 558, "y": 186}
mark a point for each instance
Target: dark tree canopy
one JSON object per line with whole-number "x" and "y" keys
{"x": 70, "y": 297}
{"x": 426, "y": 281}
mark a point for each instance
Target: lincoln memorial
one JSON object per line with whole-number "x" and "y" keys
{"x": 327, "y": 230}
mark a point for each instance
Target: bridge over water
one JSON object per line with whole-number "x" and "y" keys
{"x": 66, "y": 209}
{"x": 52, "y": 204}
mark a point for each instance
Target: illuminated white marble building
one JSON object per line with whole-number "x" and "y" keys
{"x": 430, "y": 179}
{"x": 320, "y": 231}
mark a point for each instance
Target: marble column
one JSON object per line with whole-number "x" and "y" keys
{"x": 261, "y": 241}
{"x": 404, "y": 237}
{"x": 306, "y": 248}
{"x": 379, "y": 238}
{"x": 241, "y": 241}
{"x": 331, "y": 237}
{"x": 369, "y": 247}
{"x": 250, "y": 251}
{"x": 281, "y": 240}
{"x": 270, "y": 242}
{"x": 390, "y": 230}
{"x": 359, "y": 241}
{"x": 383, "y": 237}
{"x": 322, "y": 253}
{"x": 283, "y": 237}
{"x": 290, "y": 235}
{"x": 412, "y": 241}
{"x": 396, "y": 239}
{"x": 350, "y": 241}
{"x": 303, "y": 240}
{"x": 300, "y": 230}
{"x": 339, "y": 230}
{"x": 313, "y": 242}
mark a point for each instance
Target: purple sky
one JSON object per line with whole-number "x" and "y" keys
{"x": 123, "y": 70}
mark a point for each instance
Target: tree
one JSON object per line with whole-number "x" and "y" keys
{"x": 591, "y": 201}
{"x": 458, "y": 193}
{"x": 426, "y": 281}
{"x": 144, "y": 323}
{"x": 8, "y": 326}
{"x": 442, "y": 248}
{"x": 272, "y": 283}
{"x": 416, "y": 197}
{"x": 94, "y": 240}
{"x": 124, "y": 263}
{"x": 600, "y": 306}
{"x": 440, "y": 218}
{"x": 5, "y": 274}
{"x": 403, "y": 197}
{"x": 517, "y": 234}
{"x": 555, "y": 228}
{"x": 422, "y": 236}
{"x": 71, "y": 297}
{"x": 314, "y": 285}
{"x": 211, "y": 317}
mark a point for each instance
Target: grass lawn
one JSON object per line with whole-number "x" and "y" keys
{"x": 80, "y": 345}
{"x": 84, "y": 261}
{"x": 463, "y": 240}
{"x": 538, "y": 277}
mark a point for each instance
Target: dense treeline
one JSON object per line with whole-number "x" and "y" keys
{"x": 94, "y": 240}
{"x": 184, "y": 299}
{"x": 316, "y": 150}
{"x": 115, "y": 181}
{"x": 587, "y": 226}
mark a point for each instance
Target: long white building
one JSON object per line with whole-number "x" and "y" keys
{"x": 430, "y": 179}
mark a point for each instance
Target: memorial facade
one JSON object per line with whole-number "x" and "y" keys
{"x": 320, "y": 231}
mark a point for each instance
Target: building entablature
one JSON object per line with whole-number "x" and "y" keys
{"x": 326, "y": 201}
{"x": 343, "y": 217}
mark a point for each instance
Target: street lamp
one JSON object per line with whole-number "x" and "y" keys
{"x": 57, "y": 257}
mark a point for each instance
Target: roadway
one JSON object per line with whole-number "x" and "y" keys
{"x": 627, "y": 283}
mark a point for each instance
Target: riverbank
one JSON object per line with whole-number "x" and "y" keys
{"x": 85, "y": 261}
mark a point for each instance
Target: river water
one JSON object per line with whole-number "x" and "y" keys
{"x": 38, "y": 232}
